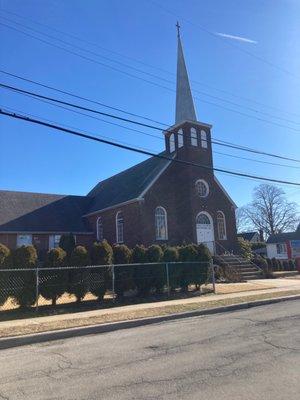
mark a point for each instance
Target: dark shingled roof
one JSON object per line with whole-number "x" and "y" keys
{"x": 126, "y": 185}
{"x": 36, "y": 212}
{"x": 283, "y": 237}
{"x": 246, "y": 235}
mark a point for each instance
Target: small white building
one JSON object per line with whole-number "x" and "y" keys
{"x": 284, "y": 246}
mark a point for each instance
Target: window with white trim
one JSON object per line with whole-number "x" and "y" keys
{"x": 180, "y": 138}
{"x": 54, "y": 241}
{"x": 194, "y": 140}
{"x": 203, "y": 139}
{"x": 202, "y": 188}
{"x": 99, "y": 229}
{"x": 172, "y": 143}
{"x": 119, "y": 227}
{"x": 221, "y": 224}
{"x": 24, "y": 240}
{"x": 161, "y": 224}
{"x": 281, "y": 248}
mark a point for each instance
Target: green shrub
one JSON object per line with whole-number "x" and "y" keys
{"x": 285, "y": 265}
{"x": 79, "y": 278}
{"x": 101, "y": 254}
{"x": 244, "y": 248}
{"x": 275, "y": 264}
{"x": 154, "y": 253}
{"x": 157, "y": 273}
{"x": 171, "y": 254}
{"x": 264, "y": 265}
{"x": 189, "y": 271}
{"x": 23, "y": 283}
{"x": 53, "y": 283}
{"x": 258, "y": 245}
{"x": 123, "y": 274}
{"x": 4, "y": 275}
{"x": 292, "y": 265}
{"x": 141, "y": 273}
{"x": 67, "y": 243}
{"x": 4, "y": 255}
{"x": 204, "y": 255}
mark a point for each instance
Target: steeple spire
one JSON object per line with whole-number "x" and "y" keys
{"x": 185, "y": 109}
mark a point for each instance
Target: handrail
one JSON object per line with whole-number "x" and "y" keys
{"x": 236, "y": 257}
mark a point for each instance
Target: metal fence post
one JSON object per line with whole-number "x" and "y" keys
{"x": 168, "y": 278}
{"x": 37, "y": 289}
{"x": 113, "y": 282}
{"x": 213, "y": 276}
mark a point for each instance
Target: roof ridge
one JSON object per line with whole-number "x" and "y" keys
{"x": 39, "y": 193}
{"x": 122, "y": 172}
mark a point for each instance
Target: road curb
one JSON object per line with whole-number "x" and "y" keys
{"x": 16, "y": 341}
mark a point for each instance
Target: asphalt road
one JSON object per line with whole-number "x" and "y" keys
{"x": 251, "y": 354}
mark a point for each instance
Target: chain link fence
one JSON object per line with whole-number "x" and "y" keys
{"x": 38, "y": 287}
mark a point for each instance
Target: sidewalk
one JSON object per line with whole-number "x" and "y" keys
{"x": 226, "y": 294}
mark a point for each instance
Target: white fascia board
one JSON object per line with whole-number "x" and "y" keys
{"x": 225, "y": 192}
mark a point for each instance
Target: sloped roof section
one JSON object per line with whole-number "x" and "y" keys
{"x": 126, "y": 185}
{"x": 36, "y": 212}
{"x": 247, "y": 235}
{"x": 283, "y": 237}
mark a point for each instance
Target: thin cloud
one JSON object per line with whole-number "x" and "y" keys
{"x": 238, "y": 38}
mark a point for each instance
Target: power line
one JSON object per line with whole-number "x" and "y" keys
{"x": 157, "y": 84}
{"x": 144, "y": 63}
{"x": 142, "y": 132}
{"x": 201, "y": 27}
{"x": 152, "y": 75}
{"x": 81, "y": 97}
{"x": 215, "y": 141}
{"x": 134, "y": 149}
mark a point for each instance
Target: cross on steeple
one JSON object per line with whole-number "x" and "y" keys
{"x": 178, "y": 29}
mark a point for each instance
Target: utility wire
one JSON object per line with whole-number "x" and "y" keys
{"x": 159, "y": 137}
{"x": 217, "y": 142}
{"x": 81, "y": 97}
{"x": 144, "y": 63}
{"x": 140, "y": 151}
{"x": 153, "y": 75}
{"x": 215, "y": 35}
{"x": 158, "y": 84}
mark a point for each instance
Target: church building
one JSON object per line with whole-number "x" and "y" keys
{"x": 158, "y": 200}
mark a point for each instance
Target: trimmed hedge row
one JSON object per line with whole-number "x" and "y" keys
{"x": 145, "y": 279}
{"x": 270, "y": 265}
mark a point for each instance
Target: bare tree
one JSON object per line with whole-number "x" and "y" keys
{"x": 270, "y": 211}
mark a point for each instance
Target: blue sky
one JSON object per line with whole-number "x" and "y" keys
{"x": 263, "y": 85}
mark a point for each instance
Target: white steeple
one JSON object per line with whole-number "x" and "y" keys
{"x": 185, "y": 109}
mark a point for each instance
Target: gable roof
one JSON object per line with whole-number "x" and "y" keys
{"x": 247, "y": 235}
{"x": 127, "y": 185}
{"x": 36, "y": 212}
{"x": 283, "y": 237}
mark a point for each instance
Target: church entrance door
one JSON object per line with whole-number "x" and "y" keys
{"x": 205, "y": 231}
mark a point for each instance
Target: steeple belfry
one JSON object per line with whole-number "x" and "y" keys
{"x": 185, "y": 109}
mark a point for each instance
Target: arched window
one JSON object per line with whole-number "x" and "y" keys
{"x": 99, "y": 228}
{"x": 203, "y": 139}
{"x": 194, "y": 140}
{"x": 172, "y": 143}
{"x": 202, "y": 188}
{"x": 202, "y": 219}
{"x": 221, "y": 226}
{"x": 119, "y": 227}
{"x": 161, "y": 225}
{"x": 180, "y": 138}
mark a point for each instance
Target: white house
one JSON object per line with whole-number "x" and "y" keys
{"x": 284, "y": 246}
